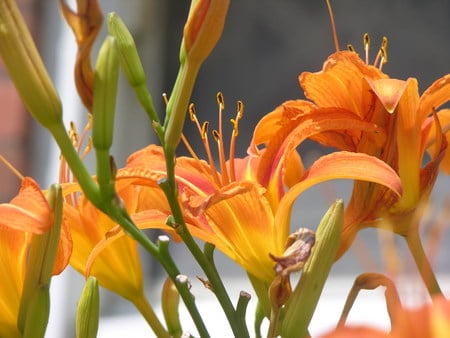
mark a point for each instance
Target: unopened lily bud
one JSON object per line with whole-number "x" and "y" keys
{"x": 37, "y": 314}
{"x": 170, "y": 300}
{"x": 105, "y": 92}
{"x": 129, "y": 58}
{"x": 88, "y": 310}
{"x": 25, "y": 67}
{"x": 41, "y": 261}
{"x": 203, "y": 28}
{"x": 303, "y": 301}
{"x": 131, "y": 63}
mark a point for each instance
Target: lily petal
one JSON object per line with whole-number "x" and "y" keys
{"x": 338, "y": 165}
{"x": 29, "y": 211}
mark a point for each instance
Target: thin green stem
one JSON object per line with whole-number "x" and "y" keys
{"x": 144, "y": 307}
{"x": 77, "y": 166}
{"x": 169, "y": 187}
{"x": 423, "y": 264}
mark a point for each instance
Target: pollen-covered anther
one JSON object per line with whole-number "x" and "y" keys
{"x": 192, "y": 112}
{"x": 216, "y": 136}
{"x": 350, "y": 48}
{"x": 204, "y": 130}
{"x": 220, "y": 100}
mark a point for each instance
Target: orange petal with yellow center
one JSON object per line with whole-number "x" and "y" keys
{"x": 29, "y": 211}
{"x": 337, "y": 165}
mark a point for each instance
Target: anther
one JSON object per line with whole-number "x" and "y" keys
{"x": 192, "y": 112}
{"x": 205, "y": 129}
{"x": 216, "y": 135}
{"x": 220, "y": 100}
{"x": 350, "y": 48}
{"x": 366, "y": 43}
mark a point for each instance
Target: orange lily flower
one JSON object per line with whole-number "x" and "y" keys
{"x": 431, "y": 321}
{"x": 376, "y": 115}
{"x": 117, "y": 267}
{"x": 28, "y": 213}
{"x": 242, "y": 208}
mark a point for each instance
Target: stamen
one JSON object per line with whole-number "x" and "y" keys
{"x": 351, "y": 48}
{"x": 223, "y": 166}
{"x": 333, "y": 26}
{"x": 11, "y": 167}
{"x": 220, "y": 143}
{"x": 234, "y": 134}
{"x": 366, "y": 43}
{"x": 382, "y": 53}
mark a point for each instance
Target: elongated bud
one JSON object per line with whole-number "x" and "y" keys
{"x": 26, "y": 68}
{"x": 303, "y": 301}
{"x": 40, "y": 264}
{"x": 88, "y": 310}
{"x": 131, "y": 63}
{"x": 105, "y": 92}
{"x": 203, "y": 28}
{"x": 170, "y": 299}
{"x": 38, "y": 312}
{"x": 129, "y": 58}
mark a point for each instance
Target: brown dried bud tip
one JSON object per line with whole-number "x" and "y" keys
{"x": 298, "y": 249}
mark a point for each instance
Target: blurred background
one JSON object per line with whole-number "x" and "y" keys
{"x": 265, "y": 46}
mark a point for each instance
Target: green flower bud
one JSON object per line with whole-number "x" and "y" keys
{"x": 170, "y": 300}
{"x": 131, "y": 63}
{"x": 41, "y": 261}
{"x": 105, "y": 93}
{"x": 88, "y": 310}
{"x": 26, "y": 68}
{"x": 303, "y": 301}
{"x": 37, "y": 314}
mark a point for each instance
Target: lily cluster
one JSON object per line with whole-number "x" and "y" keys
{"x": 380, "y": 129}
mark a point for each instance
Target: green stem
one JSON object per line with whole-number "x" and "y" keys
{"x": 77, "y": 166}
{"x": 169, "y": 187}
{"x": 150, "y": 316}
{"x": 423, "y": 265}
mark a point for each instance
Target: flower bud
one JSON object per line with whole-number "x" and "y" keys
{"x": 303, "y": 301}
{"x": 131, "y": 63}
{"x": 25, "y": 67}
{"x": 37, "y": 314}
{"x": 170, "y": 300}
{"x": 203, "y": 28}
{"x": 105, "y": 92}
{"x": 88, "y": 310}
{"x": 40, "y": 264}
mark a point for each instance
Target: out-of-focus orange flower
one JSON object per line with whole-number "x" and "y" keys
{"x": 429, "y": 321}
{"x": 241, "y": 207}
{"x": 367, "y": 112}
{"x": 85, "y": 22}
{"x": 26, "y": 214}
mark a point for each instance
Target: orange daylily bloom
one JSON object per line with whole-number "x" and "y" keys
{"x": 367, "y": 112}
{"x": 429, "y": 321}
{"x": 242, "y": 208}
{"x": 28, "y": 213}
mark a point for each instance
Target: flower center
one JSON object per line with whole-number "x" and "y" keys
{"x": 227, "y": 172}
